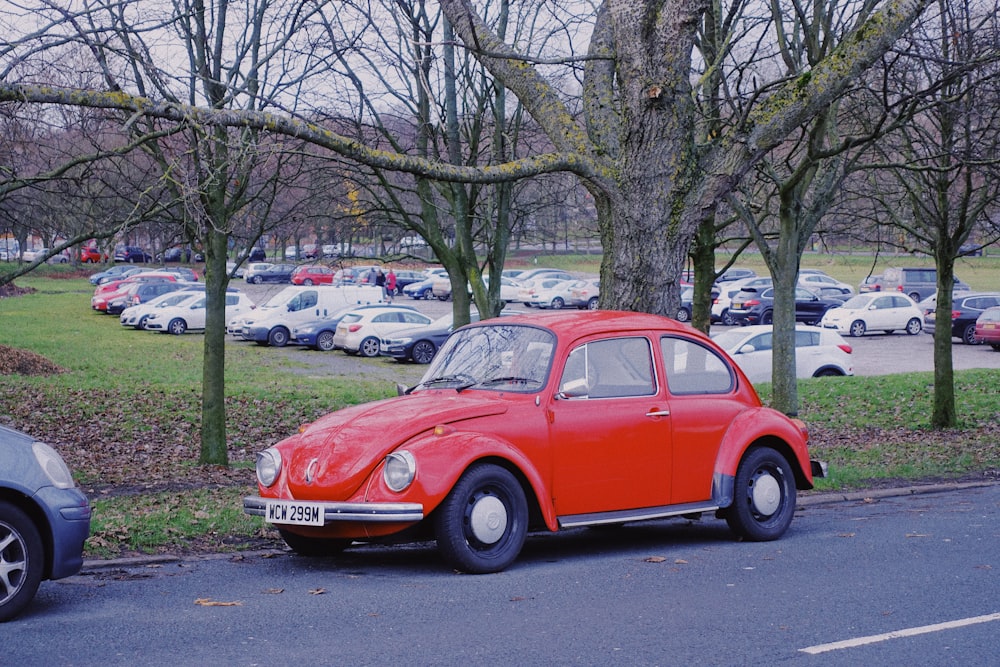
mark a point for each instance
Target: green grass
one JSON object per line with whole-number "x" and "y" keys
{"x": 126, "y": 414}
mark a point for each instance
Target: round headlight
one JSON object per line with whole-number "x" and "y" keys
{"x": 53, "y": 466}
{"x": 400, "y": 469}
{"x": 268, "y": 466}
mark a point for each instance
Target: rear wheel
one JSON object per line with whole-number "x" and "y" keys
{"x": 369, "y": 347}
{"x": 592, "y": 304}
{"x": 727, "y": 318}
{"x": 177, "y": 326}
{"x": 767, "y": 317}
{"x": 858, "y": 328}
{"x": 423, "y": 352}
{"x": 683, "y": 315}
{"x": 764, "y": 496}
{"x": 277, "y": 337}
{"x": 915, "y": 296}
{"x": 22, "y": 560}
{"x": 914, "y": 326}
{"x": 482, "y": 523}
{"x": 324, "y": 341}
{"x": 558, "y": 303}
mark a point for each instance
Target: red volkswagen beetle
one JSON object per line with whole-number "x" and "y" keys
{"x": 541, "y": 422}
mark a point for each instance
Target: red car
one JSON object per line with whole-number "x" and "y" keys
{"x": 541, "y": 422}
{"x": 90, "y": 254}
{"x": 312, "y": 275}
{"x": 988, "y": 327}
{"x": 116, "y": 288}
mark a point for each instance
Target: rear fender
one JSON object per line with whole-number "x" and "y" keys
{"x": 766, "y": 428}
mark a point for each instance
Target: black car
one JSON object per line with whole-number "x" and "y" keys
{"x": 420, "y": 344}
{"x": 404, "y": 278}
{"x": 132, "y": 255}
{"x": 257, "y": 254}
{"x": 751, "y": 306}
{"x": 966, "y": 308}
{"x": 276, "y": 273}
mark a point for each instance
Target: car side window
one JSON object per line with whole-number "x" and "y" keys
{"x": 806, "y": 338}
{"x": 612, "y": 368}
{"x": 761, "y": 343}
{"x": 693, "y": 368}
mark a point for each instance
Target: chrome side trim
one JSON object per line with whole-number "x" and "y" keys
{"x": 644, "y": 514}
{"x": 373, "y": 512}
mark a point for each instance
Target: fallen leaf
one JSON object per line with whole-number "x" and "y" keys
{"x": 655, "y": 559}
{"x": 274, "y": 591}
{"x": 846, "y": 535}
{"x": 680, "y": 561}
{"x": 317, "y": 591}
{"x": 209, "y": 602}
{"x": 916, "y": 535}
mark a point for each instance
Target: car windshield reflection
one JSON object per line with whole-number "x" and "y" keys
{"x": 496, "y": 357}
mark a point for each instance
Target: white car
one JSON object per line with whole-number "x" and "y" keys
{"x": 824, "y": 285}
{"x": 360, "y": 331}
{"x": 136, "y": 316}
{"x": 586, "y": 295}
{"x": 818, "y": 352}
{"x": 191, "y": 316}
{"x": 553, "y": 294}
{"x": 528, "y": 288}
{"x": 875, "y": 311}
{"x": 254, "y": 267}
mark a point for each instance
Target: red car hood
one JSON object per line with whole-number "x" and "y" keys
{"x": 347, "y": 444}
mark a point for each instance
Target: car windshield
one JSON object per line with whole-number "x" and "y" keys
{"x": 498, "y": 357}
{"x": 857, "y": 302}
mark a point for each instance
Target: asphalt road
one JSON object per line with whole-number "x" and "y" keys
{"x": 911, "y": 580}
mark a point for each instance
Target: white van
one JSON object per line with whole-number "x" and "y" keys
{"x": 271, "y": 323}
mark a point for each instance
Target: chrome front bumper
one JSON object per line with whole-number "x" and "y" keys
{"x": 332, "y": 512}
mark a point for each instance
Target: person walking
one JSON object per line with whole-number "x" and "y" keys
{"x": 380, "y": 281}
{"x": 390, "y": 285}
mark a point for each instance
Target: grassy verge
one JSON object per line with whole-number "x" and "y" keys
{"x": 125, "y": 415}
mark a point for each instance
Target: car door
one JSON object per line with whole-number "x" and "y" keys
{"x": 754, "y": 357}
{"x": 610, "y": 430}
{"x": 808, "y": 306}
{"x": 882, "y": 315}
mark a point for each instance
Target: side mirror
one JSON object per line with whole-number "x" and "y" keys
{"x": 746, "y": 349}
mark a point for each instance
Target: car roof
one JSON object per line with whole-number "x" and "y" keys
{"x": 579, "y": 323}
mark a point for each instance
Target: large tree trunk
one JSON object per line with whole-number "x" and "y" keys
{"x": 213, "y": 385}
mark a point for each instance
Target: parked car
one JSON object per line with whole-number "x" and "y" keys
{"x": 554, "y": 294}
{"x": 254, "y": 267}
{"x": 31, "y": 254}
{"x": 532, "y": 274}
{"x": 687, "y": 304}
{"x": 360, "y": 331}
{"x": 988, "y": 327}
{"x": 132, "y": 255}
{"x": 528, "y": 289}
{"x": 874, "y": 311}
{"x": 183, "y": 273}
{"x": 441, "y": 287}
{"x": 966, "y": 308}
{"x": 190, "y": 316}
{"x": 44, "y": 520}
{"x": 915, "y": 282}
{"x": 424, "y": 289}
{"x": 722, "y": 302}
{"x": 90, "y": 254}
{"x": 750, "y": 306}
{"x": 535, "y": 422}
{"x": 318, "y": 333}
{"x": 109, "y": 291}
{"x": 257, "y": 254}
{"x": 872, "y": 283}
{"x": 824, "y": 285}
{"x": 735, "y": 273}
{"x": 312, "y": 274}
{"x": 406, "y": 277}
{"x": 141, "y": 293}
{"x": 420, "y": 344}
{"x": 272, "y": 323}
{"x": 136, "y": 316}
{"x": 273, "y": 273}
{"x": 818, "y": 352}
{"x": 352, "y": 275}
{"x": 585, "y": 297}
{"x": 118, "y": 271}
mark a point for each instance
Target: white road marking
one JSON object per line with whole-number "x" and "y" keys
{"x": 909, "y": 632}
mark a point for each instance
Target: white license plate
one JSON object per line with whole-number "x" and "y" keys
{"x": 286, "y": 511}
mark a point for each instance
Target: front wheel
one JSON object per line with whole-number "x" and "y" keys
{"x": 177, "y": 326}
{"x": 558, "y": 303}
{"x": 423, "y": 352}
{"x": 764, "y": 496}
{"x": 683, "y": 315}
{"x": 767, "y": 318}
{"x": 914, "y": 326}
{"x": 22, "y": 560}
{"x": 969, "y": 335}
{"x": 324, "y": 341}
{"x": 592, "y": 304}
{"x": 369, "y": 347}
{"x": 277, "y": 337}
{"x": 858, "y": 328}
{"x": 483, "y": 522}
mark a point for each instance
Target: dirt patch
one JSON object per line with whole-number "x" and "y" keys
{"x": 15, "y": 361}
{"x": 10, "y": 289}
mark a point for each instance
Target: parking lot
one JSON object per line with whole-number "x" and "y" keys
{"x": 874, "y": 354}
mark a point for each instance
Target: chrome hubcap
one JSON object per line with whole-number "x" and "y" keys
{"x": 488, "y": 519}
{"x": 765, "y": 494}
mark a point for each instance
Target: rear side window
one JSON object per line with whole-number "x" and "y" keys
{"x": 693, "y": 368}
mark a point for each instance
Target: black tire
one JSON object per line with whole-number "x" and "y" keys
{"x": 141, "y": 324}
{"x": 307, "y": 281}
{"x": 764, "y": 496}
{"x": 592, "y": 304}
{"x": 369, "y": 347}
{"x": 767, "y": 317}
{"x": 558, "y": 303}
{"x": 995, "y": 346}
{"x": 827, "y": 373}
{"x": 914, "y": 326}
{"x": 177, "y": 326}
{"x": 426, "y": 294}
{"x": 277, "y": 337}
{"x": 314, "y": 547}
{"x": 683, "y": 315}
{"x": 324, "y": 341}
{"x": 423, "y": 352}
{"x": 483, "y": 522}
{"x": 969, "y": 335}
{"x": 256, "y": 280}
{"x": 23, "y": 559}
{"x": 915, "y": 296}
{"x": 858, "y": 328}
{"x": 727, "y": 318}
{"x": 444, "y": 297}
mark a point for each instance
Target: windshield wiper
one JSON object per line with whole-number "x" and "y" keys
{"x": 509, "y": 379}
{"x": 465, "y": 381}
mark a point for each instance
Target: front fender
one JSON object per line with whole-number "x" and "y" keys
{"x": 441, "y": 461}
{"x": 763, "y": 426}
